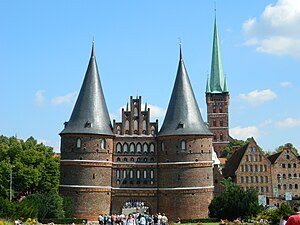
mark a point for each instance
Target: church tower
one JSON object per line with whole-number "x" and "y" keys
{"x": 86, "y": 149}
{"x": 184, "y": 154}
{"x": 217, "y": 99}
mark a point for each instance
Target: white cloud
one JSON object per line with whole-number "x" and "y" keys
{"x": 39, "y": 97}
{"x": 258, "y": 97}
{"x": 243, "y": 133}
{"x": 285, "y": 84}
{"x": 65, "y": 99}
{"x": 275, "y": 31}
{"x": 289, "y": 123}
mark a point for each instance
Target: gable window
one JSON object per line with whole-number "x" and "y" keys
{"x": 102, "y": 143}
{"x": 287, "y": 157}
{"x": 78, "y": 143}
{"x": 183, "y": 145}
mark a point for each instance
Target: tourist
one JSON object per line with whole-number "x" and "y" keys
{"x": 100, "y": 219}
{"x": 164, "y": 219}
{"x": 131, "y": 220}
{"x": 142, "y": 220}
{"x": 283, "y": 220}
{"x": 294, "y": 219}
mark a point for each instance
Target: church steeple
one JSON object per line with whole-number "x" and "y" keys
{"x": 183, "y": 116}
{"x": 216, "y": 82}
{"x": 90, "y": 114}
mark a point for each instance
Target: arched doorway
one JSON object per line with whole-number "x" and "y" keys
{"x": 135, "y": 206}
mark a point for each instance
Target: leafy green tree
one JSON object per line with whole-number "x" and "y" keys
{"x": 234, "y": 202}
{"x": 290, "y": 145}
{"x": 34, "y": 167}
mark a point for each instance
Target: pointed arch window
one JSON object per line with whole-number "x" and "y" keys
{"x": 152, "y": 130}
{"x": 78, "y": 143}
{"x": 118, "y": 130}
{"x": 124, "y": 174}
{"x": 131, "y": 174}
{"x": 215, "y": 137}
{"x": 135, "y": 110}
{"x": 125, "y": 148}
{"x": 144, "y": 125}
{"x": 145, "y": 148}
{"x": 119, "y": 148}
{"x": 138, "y": 148}
{"x": 145, "y": 174}
{"x": 118, "y": 174}
{"x": 102, "y": 144}
{"x": 131, "y": 148}
{"x": 152, "y": 148}
{"x": 162, "y": 146}
{"x": 135, "y": 126}
{"x": 127, "y": 126}
{"x": 151, "y": 174}
{"x": 221, "y": 137}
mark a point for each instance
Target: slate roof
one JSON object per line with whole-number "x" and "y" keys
{"x": 274, "y": 157}
{"x": 234, "y": 161}
{"x": 183, "y": 116}
{"x": 90, "y": 114}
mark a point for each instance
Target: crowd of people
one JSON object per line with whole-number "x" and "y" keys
{"x": 133, "y": 219}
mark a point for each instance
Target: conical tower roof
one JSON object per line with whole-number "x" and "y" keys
{"x": 217, "y": 81}
{"x": 183, "y": 115}
{"x": 90, "y": 114}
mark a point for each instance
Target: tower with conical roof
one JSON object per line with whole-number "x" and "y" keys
{"x": 86, "y": 149}
{"x": 217, "y": 98}
{"x": 184, "y": 154}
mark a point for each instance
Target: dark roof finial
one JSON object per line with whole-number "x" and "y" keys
{"x": 93, "y": 51}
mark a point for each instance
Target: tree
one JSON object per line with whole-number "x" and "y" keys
{"x": 34, "y": 167}
{"x": 289, "y": 145}
{"x": 234, "y": 202}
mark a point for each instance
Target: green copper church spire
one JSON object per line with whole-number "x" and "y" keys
{"x": 216, "y": 83}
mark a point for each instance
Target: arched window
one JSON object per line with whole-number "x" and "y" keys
{"x": 127, "y": 126}
{"x": 221, "y": 123}
{"x": 78, "y": 143}
{"x": 135, "y": 126}
{"x": 118, "y": 174}
{"x": 289, "y": 165}
{"x": 131, "y": 159}
{"x": 125, "y": 148}
{"x": 296, "y": 186}
{"x": 261, "y": 179}
{"x": 119, "y": 148}
{"x": 266, "y": 179}
{"x": 279, "y": 187}
{"x": 135, "y": 110}
{"x": 152, "y": 130}
{"x": 242, "y": 179}
{"x": 290, "y": 186}
{"x": 102, "y": 144}
{"x": 295, "y": 165}
{"x": 151, "y": 148}
{"x": 290, "y": 176}
{"x": 144, "y": 125}
{"x": 138, "y": 148}
{"x": 124, "y": 174}
{"x": 131, "y": 174}
{"x": 283, "y": 165}
{"x": 131, "y": 148}
{"x": 215, "y": 137}
{"x": 183, "y": 145}
{"x": 295, "y": 175}
{"x": 151, "y": 174}
{"x": 138, "y": 174}
{"x": 284, "y": 186}
{"x": 145, "y": 174}
{"x": 118, "y": 130}
{"x": 284, "y": 176}
{"x": 118, "y": 159}
{"x": 125, "y": 159}
{"x": 145, "y": 159}
{"x": 287, "y": 157}
{"x": 214, "y": 123}
{"x": 145, "y": 148}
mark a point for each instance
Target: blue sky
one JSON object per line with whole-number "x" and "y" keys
{"x": 45, "y": 47}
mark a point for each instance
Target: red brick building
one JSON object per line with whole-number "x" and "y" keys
{"x": 103, "y": 166}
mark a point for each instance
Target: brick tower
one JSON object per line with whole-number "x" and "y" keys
{"x": 86, "y": 149}
{"x": 185, "y": 178}
{"x": 217, "y": 99}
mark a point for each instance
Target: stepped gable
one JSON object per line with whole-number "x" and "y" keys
{"x": 90, "y": 114}
{"x": 183, "y": 116}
